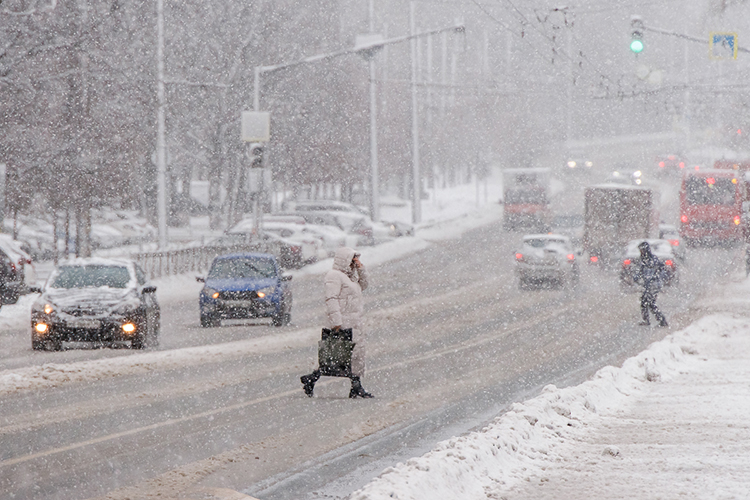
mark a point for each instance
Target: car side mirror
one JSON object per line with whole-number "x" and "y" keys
{"x": 200, "y": 279}
{"x": 286, "y": 277}
{"x": 35, "y": 289}
{"x": 149, "y": 289}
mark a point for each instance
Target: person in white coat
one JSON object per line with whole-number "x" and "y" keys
{"x": 344, "y": 284}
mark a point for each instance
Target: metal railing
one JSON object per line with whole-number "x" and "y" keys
{"x": 160, "y": 263}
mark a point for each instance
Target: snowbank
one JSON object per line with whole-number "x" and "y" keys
{"x": 543, "y": 431}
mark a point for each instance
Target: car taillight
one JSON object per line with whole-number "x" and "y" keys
{"x": 682, "y": 164}
{"x": 295, "y": 249}
{"x": 736, "y": 220}
{"x": 571, "y": 257}
{"x": 684, "y": 218}
{"x": 669, "y": 263}
{"x": 626, "y": 262}
{"x": 594, "y": 258}
{"x": 519, "y": 256}
{"x": 661, "y": 164}
{"x": 674, "y": 243}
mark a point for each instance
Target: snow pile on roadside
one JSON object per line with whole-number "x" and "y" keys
{"x": 55, "y": 375}
{"x": 542, "y": 431}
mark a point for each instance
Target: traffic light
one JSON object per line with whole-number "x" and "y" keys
{"x": 256, "y": 155}
{"x": 636, "y": 32}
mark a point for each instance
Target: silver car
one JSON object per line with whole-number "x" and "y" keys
{"x": 546, "y": 259}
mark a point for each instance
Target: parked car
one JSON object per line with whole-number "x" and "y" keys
{"x": 326, "y": 206}
{"x": 315, "y": 245}
{"x": 546, "y": 259}
{"x": 327, "y": 222}
{"x": 672, "y": 235}
{"x": 23, "y": 273}
{"x": 632, "y": 258}
{"x": 95, "y": 300}
{"x": 289, "y": 253}
{"x": 398, "y": 229}
{"x": 310, "y": 246}
{"x": 353, "y": 224}
{"x": 9, "y": 286}
{"x": 245, "y": 285}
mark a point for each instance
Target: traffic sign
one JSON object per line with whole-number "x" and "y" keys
{"x": 256, "y": 126}
{"x": 722, "y": 45}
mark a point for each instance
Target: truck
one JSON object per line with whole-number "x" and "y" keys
{"x": 615, "y": 214}
{"x": 712, "y": 204}
{"x": 526, "y": 198}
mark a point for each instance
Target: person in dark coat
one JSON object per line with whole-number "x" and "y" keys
{"x": 651, "y": 273}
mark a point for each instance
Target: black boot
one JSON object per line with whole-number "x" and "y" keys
{"x": 358, "y": 391}
{"x": 308, "y": 382}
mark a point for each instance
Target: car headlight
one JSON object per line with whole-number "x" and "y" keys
{"x": 263, "y": 292}
{"x": 210, "y": 293}
{"x": 43, "y": 307}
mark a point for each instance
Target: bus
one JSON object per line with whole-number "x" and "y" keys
{"x": 711, "y": 206}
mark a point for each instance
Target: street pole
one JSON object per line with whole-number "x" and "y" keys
{"x": 416, "y": 199}
{"x": 374, "y": 175}
{"x": 161, "y": 160}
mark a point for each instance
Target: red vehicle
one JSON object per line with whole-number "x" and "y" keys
{"x": 711, "y": 206}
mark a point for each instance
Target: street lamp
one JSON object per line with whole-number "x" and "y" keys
{"x": 367, "y": 47}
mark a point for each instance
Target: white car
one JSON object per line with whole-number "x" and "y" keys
{"x": 672, "y": 235}
{"x": 546, "y": 258}
{"x": 310, "y": 241}
{"x": 327, "y": 206}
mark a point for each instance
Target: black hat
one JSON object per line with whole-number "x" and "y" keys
{"x": 643, "y": 246}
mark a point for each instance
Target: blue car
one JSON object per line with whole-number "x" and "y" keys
{"x": 245, "y": 285}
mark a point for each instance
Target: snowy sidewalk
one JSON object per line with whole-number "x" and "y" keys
{"x": 671, "y": 423}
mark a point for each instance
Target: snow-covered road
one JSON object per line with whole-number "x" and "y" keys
{"x": 670, "y": 423}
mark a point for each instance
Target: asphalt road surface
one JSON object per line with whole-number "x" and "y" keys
{"x": 452, "y": 342}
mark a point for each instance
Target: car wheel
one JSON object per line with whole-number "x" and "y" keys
{"x": 287, "y": 318}
{"x": 278, "y": 319}
{"x": 154, "y": 336}
{"x": 208, "y": 320}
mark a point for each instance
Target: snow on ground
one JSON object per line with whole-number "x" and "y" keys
{"x": 54, "y": 374}
{"x": 449, "y": 218}
{"x": 670, "y": 423}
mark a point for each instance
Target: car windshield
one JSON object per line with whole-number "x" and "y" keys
{"x": 709, "y": 191}
{"x": 242, "y": 268}
{"x": 91, "y": 276}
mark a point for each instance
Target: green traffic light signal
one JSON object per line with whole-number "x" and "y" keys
{"x": 636, "y": 46}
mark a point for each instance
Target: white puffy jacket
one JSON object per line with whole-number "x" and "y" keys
{"x": 344, "y": 303}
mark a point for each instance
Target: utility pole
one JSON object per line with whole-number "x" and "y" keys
{"x": 374, "y": 174}
{"x": 161, "y": 157}
{"x": 416, "y": 198}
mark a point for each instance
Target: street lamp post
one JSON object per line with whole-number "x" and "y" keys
{"x": 367, "y": 47}
{"x": 161, "y": 156}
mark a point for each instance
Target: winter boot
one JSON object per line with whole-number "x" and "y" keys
{"x": 358, "y": 391}
{"x": 308, "y": 382}
{"x": 645, "y": 322}
{"x": 663, "y": 322}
